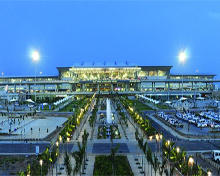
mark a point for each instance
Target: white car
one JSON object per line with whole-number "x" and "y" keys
{"x": 216, "y": 155}
{"x": 192, "y": 121}
{"x": 201, "y": 125}
{"x": 216, "y": 126}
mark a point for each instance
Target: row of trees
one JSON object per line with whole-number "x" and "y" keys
{"x": 80, "y": 155}
{"x": 178, "y": 159}
{"x": 172, "y": 157}
{"x": 93, "y": 116}
{"x": 74, "y": 121}
{"x": 121, "y": 113}
{"x": 143, "y": 123}
{"x": 49, "y": 156}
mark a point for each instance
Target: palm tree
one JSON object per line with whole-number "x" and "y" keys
{"x": 140, "y": 142}
{"x": 162, "y": 167}
{"x": 67, "y": 164}
{"x": 21, "y": 173}
{"x": 84, "y": 143}
{"x": 136, "y": 134}
{"x": 78, "y": 156}
{"x": 155, "y": 163}
{"x": 149, "y": 158}
{"x": 145, "y": 147}
{"x": 112, "y": 157}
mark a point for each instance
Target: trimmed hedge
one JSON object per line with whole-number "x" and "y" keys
{"x": 103, "y": 166}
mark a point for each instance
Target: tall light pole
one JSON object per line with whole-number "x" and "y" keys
{"x": 68, "y": 140}
{"x": 209, "y": 173}
{"x": 41, "y": 163}
{"x": 35, "y": 55}
{"x": 182, "y": 59}
{"x": 190, "y": 163}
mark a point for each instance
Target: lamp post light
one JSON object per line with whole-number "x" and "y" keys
{"x": 182, "y": 59}
{"x": 160, "y": 144}
{"x": 161, "y": 136}
{"x": 177, "y": 150}
{"x": 41, "y": 163}
{"x": 190, "y": 163}
{"x": 35, "y": 55}
{"x": 157, "y": 136}
{"x": 68, "y": 140}
{"x": 209, "y": 173}
{"x": 60, "y": 139}
{"x": 57, "y": 154}
{"x": 168, "y": 159}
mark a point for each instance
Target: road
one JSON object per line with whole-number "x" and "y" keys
{"x": 9, "y": 148}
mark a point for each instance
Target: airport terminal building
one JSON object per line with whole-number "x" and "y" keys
{"x": 121, "y": 79}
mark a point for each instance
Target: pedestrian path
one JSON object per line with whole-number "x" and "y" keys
{"x": 90, "y": 165}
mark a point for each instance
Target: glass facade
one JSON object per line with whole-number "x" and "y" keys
{"x": 118, "y": 78}
{"x": 91, "y": 74}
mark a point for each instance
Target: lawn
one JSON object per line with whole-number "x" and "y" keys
{"x": 162, "y": 106}
{"x": 73, "y": 104}
{"x": 139, "y": 105}
{"x": 103, "y": 166}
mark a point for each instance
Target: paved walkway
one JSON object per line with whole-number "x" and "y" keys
{"x": 134, "y": 155}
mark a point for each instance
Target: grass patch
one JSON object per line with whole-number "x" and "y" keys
{"x": 103, "y": 166}
{"x": 73, "y": 104}
{"x": 139, "y": 105}
{"x": 162, "y": 106}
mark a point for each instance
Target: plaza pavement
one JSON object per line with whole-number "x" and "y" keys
{"x": 30, "y": 127}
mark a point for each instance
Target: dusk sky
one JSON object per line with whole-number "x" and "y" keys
{"x": 67, "y": 33}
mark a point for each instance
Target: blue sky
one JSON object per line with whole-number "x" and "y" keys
{"x": 147, "y": 32}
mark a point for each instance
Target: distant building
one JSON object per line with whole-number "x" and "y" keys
{"x": 122, "y": 79}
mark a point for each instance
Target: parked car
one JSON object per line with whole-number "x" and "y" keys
{"x": 216, "y": 155}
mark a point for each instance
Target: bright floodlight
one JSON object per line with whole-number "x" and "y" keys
{"x": 191, "y": 161}
{"x": 182, "y": 57}
{"x": 41, "y": 162}
{"x": 35, "y": 55}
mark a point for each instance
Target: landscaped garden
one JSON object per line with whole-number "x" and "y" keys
{"x": 138, "y": 105}
{"x": 144, "y": 123}
{"x": 104, "y": 166}
{"x": 170, "y": 153}
{"x": 73, "y": 105}
{"x": 162, "y": 106}
{"x": 94, "y": 113}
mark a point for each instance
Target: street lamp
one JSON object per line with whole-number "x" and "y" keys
{"x": 182, "y": 59}
{"x": 57, "y": 154}
{"x": 60, "y": 138}
{"x": 177, "y": 150}
{"x": 35, "y": 55}
{"x": 41, "y": 163}
{"x": 190, "y": 163}
{"x": 209, "y": 173}
{"x": 68, "y": 140}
